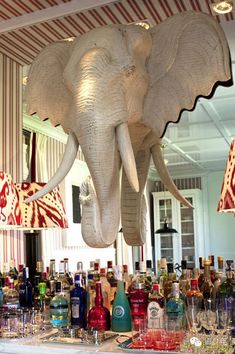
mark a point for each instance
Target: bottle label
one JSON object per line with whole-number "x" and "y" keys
{"x": 155, "y": 315}
{"x": 118, "y": 311}
{"x": 75, "y": 303}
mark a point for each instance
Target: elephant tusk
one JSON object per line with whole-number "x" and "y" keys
{"x": 164, "y": 175}
{"x": 65, "y": 166}
{"x": 127, "y": 155}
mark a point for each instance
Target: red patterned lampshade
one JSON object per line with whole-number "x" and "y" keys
{"x": 45, "y": 212}
{"x": 10, "y": 213}
{"x": 227, "y": 195}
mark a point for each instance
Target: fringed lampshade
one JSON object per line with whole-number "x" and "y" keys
{"x": 45, "y": 212}
{"x": 10, "y": 213}
{"x": 227, "y": 195}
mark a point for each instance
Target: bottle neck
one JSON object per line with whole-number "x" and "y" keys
{"x": 98, "y": 296}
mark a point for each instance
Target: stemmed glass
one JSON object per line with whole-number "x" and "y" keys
{"x": 194, "y": 319}
{"x": 224, "y": 319}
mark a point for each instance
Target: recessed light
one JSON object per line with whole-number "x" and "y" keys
{"x": 222, "y": 7}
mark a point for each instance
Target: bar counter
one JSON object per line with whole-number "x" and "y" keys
{"x": 35, "y": 346}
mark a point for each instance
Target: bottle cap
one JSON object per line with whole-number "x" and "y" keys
{"x": 125, "y": 268}
{"x": 80, "y": 266}
{"x": 137, "y": 265}
{"x": 149, "y": 264}
{"x": 102, "y": 271}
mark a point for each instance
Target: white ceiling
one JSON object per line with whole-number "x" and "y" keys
{"x": 199, "y": 143}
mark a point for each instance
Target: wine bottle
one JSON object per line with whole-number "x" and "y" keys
{"x": 99, "y": 316}
{"x": 121, "y": 313}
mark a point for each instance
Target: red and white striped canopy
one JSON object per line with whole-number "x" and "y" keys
{"x": 26, "y": 26}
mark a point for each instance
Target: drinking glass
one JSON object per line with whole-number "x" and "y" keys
{"x": 139, "y": 332}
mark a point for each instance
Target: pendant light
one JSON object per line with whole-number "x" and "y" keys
{"x": 165, "y": 229}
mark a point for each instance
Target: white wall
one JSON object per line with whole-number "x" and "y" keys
{"x": 221, "y": 225}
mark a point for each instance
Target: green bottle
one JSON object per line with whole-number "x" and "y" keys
{"x": 121, "y": 313}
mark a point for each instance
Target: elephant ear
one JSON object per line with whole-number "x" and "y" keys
{"x": 189, "y": 55}
{"x": 46, "y": 93}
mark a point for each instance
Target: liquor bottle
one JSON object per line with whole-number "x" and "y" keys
{"x": 136, "y": 276}
{"x": 65, "y": 286}
{"x": 90, "y": 291}
{"x": 106, "y": 288}
{"x": 20, "y": 276}
{"x": 11, "y": 297}
{"x": 39, "y": 269}
{"x": 226, "y": 290}
{"x": 143, "y": 276}
{"x": 138, "y": 301}
{"x": 111, "y": 279}
{"x": 155, "y": 310}
{"x": 194, "y": 291}
{"x": 59, "y": 309}
{"x": 96, "y": 273}
{"x": 126, "y": 278}
{"x": 175, "y": 305}
{"x": 201, "y": 276}
{"x": 184, "y": 282}
{"x": 121, "y": 313}
{"x": 220, "y": 264}
{"x": 149, "y": 272}
{"x": 43, "y": 303}
{"x": 212, "y": 268}
{"x": 162, "y": 275}
{"x": 13, "y": 273}
{"x": 52, "y": 278}
{"x": 171, "y": 277}
{"x": 78, "y": 304}
{"x": 99, "y": 316}
{"x": 82, "y": 273}
{"x": 67, "y": 273}
{"x": 25, "y": 290}
{"x": 207, "y": 287}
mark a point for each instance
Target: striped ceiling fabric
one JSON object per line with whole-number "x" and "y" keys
{"x": 23, "y": 42}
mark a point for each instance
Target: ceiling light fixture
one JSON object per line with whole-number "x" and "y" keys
{"x": 222, "y": 7}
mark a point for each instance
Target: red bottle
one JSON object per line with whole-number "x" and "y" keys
{"x": 99, "y": 316}
{"x": 139, "y": 302}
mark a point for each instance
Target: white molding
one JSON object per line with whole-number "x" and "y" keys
{"x": 34, "y": 124}
{"x": 50, "y": 13}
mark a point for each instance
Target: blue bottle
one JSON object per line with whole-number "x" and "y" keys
{"x": 26, "y": 290}
{"x": 78, "y": 303}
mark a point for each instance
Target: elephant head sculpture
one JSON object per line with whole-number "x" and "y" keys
{"x": 114, "y": 90}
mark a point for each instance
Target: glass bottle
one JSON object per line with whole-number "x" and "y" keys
{"x": 184, "y": 282}
{"x": 143, "y": 276}
{"x": 51, "y": 279}
{"x": 171, "y": 277}
{"x": 67, "y": 273}
{"x": 138, "y": 301}
{"x": 194, "y": 290}
{"x": 212, "y": 268}
{"x": 96, "y": 273}
{"x": 25, "y": 290}
{"x": 126, "y": 278}
{"x": 59, "y": 310}
{"x": 149, "y": 272}
{"x": 11, "y": 297}
{"x": 162, "y": 274}
{"x": 106, "y": 288}
{"x": 99, "y": 316}
{"x": 201, "y": 267}
{"x": 121, "y": 313}
{"x": 78, "y": 304}
{"x": 43, "y": 303}
{"x": 90, "y": 291}
{"x": 13, "y": 273}
{"x": 207, "y": 287}
{"x": 155, "y": 310}
{"x": 175, "y": 305}
{"x": 82, "y": 273}
{"x": 111, "y": 279}
{"x": 39, "y": 270}
{"x": 65, "y": 286}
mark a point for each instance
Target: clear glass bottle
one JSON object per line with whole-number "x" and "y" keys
{"x": 63, "y": 279}
{"x": 67, "y": 273}
{"x": 52, "y": 278}
{"x": 155, "y": 310}
{"x": 162, "y": 275}
{"x": 175, "y": 305}
{"x": 78, "y": 304}
{"x": 11, "y": 298}
{"x": 82, "y": 273}
{"x": 13, "y": 273}
{"x": 59, "y": 310}
{"x": 99, "y": 316}
{"x": 121, "y": 313}
{"x": 106, "y": 289}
